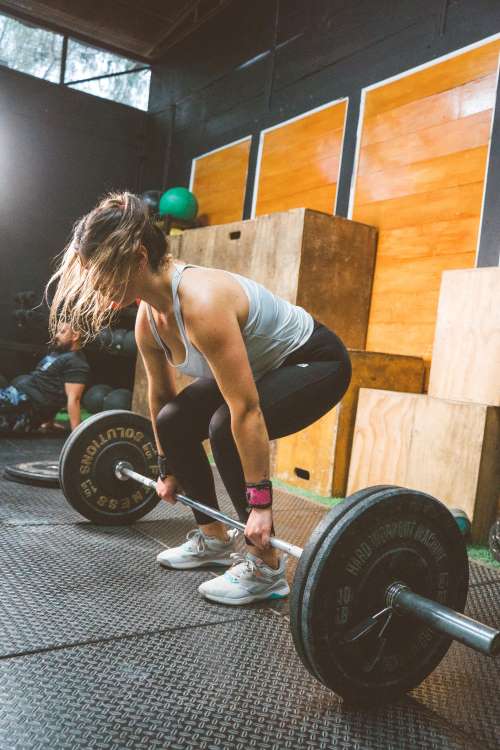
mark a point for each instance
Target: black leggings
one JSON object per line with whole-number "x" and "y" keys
{"x": 291, "y": 398}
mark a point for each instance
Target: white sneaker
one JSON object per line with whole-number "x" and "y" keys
{"x": 249, "y": 580}
{"x": 199, "y": 550}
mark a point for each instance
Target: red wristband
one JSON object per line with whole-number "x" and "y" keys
{"x": 259, "y": 494}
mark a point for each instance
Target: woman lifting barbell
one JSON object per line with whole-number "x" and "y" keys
{"x": 264, "y": 368}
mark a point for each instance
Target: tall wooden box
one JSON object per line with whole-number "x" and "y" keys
{"x": 466, "y": 354}
{"x": 317, "y": 458}
{"x": 450, "y": 449}
{"x": 321, "y": 262}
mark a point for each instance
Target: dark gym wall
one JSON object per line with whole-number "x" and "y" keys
{"x": 256, "y": 64}
{"x": 60, "y": 150}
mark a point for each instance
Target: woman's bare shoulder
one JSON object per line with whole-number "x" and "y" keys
{"x": 143, "y": 333}
{"x": 209, "y": 284}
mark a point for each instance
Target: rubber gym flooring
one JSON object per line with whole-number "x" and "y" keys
{"x": 100, "y": 648}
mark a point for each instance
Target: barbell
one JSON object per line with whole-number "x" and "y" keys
{"x": 380, "y": 587}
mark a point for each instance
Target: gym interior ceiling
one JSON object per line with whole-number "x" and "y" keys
{"x": 144, "y": 30}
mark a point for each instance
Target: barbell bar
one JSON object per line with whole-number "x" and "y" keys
{"x": 399, "y": 597}
{"x": 125, "y": 471}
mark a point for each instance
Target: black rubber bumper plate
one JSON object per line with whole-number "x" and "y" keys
{"x": 37, "y": 473}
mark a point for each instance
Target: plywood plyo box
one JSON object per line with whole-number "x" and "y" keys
{"x": 450, "y": 449}
{"x": 466, "y": 355}
{"x": 317, "y": 458}
{"x": 321, "y": 262}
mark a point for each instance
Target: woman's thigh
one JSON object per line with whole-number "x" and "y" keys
{"x": 188, "y": 414}
{"x": 293, "y": 397}
{"x": 310, "y": 382}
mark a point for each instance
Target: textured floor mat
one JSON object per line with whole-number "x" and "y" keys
{"x": 67, "y": 584}
{"x": 481, "y": 575}
{"x": 465, "y": 688}
{"x": 213, "y": 687}
{"x": 100, "y": 648}
{"x": 40, "y": 448}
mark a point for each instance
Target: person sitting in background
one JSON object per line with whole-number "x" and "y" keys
{"x": 58, "y": 381}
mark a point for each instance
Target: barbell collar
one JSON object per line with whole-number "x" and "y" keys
{"x": 124, "y": 471}
{"x": 461, "y": 628}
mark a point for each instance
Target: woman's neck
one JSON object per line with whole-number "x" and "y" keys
{"x": 156, "y": 290}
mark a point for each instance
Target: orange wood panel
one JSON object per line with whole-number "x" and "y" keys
{"x": 463, "y": 101}
{"x": 469, "y": 66}
{"x": 300, "y": 162}
{"x": 422, "y": 270}
{"x": 406, "y": 293}
{"x": 420, "y": 181}
{"x": 315, "y": 125}
{"x": 438, "y": 238}
{"x": 321, "y": 198}
{"x": 449, "y": 138}
{"x": 220, "y": 183}
{"x": 422, "y": 208}
{"x": 459, "y": 168}
{"x": 321, "y": 172}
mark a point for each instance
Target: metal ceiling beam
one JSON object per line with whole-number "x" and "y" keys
{"x": 194, "y": 14}
{"x": 198, "y": 15}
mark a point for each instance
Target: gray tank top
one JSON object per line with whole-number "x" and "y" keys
{"x": 274, "y": 329}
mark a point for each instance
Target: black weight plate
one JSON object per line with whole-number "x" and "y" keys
{"x": 494, "y": 540}
{"x": 393, "y": 535}
{"x": 307, "y": 558}
{"x": 37, "y": 473}
{"x": 88, "y": 458}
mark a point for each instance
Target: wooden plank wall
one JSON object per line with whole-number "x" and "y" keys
{"x": 420, "y": 180}
{"x": 300, "y": 162}
{"x": 219, "y": 182}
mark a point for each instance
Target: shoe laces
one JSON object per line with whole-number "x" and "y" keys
{"x": 196, "y": 540}
{"x": 243, "y": 565}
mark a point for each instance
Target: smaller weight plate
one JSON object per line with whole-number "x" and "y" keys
{"x": 37, "y": 473}
{"x": 88, "y": 460}
{"x": 462, "y": 521}
{"x": 494, "y": 540}
{"x": 392, "y": 535}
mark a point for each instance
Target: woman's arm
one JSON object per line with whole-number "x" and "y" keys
{"x": 214, "y": 329}
{"x": 159, "y": 374}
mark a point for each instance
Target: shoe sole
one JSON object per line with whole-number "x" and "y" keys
{"x": 191, "y": 565}
{"x": 246, "y": 599}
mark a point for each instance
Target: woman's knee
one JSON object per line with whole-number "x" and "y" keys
{"x": 172, "y": 423}
{"x": 219, "y": 429}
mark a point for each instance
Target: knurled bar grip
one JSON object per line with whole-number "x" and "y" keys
{"x": 123, "y": 469}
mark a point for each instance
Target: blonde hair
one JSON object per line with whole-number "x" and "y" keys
{"x": 97, "y": 264}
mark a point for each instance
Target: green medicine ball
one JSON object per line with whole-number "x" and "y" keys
{"x": 180, "y": 203}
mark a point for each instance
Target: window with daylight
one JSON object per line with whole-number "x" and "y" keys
{"x": 30, "y": 49}
{"x": 105, "y": 74}
{"x": 45, "y": 54}
{"x": 83, "y": 61}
